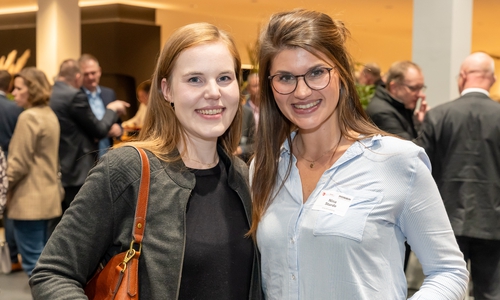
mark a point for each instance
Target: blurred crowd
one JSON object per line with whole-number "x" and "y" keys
{"x": 52, "y": 135}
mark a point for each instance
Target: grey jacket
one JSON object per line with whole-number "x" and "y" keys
{"x": 99, "y": 224}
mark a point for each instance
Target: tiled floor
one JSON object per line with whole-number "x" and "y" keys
{"x": 14, "y": 286}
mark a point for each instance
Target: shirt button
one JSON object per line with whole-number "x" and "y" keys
{"x": 292, "y": 241}
{"x": 293, "y": 277}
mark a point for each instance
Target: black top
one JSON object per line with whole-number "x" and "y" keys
{"x": 9, "y": 112}
{"x": 218, "y": 258}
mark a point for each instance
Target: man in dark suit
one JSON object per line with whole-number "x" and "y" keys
{"x": 253, "y": 97}
{"x": 245, "y": 147}
{"x": 80, "y": 129}
{"x": 462, "y": 139}
{"x": 392, "y": 107}
{"x": 9, "y": 112}
{"x": 98, "y": 97}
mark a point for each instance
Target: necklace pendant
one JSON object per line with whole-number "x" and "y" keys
{"x": 311, "y": 165}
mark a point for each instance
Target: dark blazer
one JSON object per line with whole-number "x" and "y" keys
{"x": 103, "y": 214}
{"x": 9, "y": 112}
{"x": 391, "y": 115}
{"x": 80, "y": 131}
{"x": 107, "y": 95}
{"x": 247, "y": 133}
{"x": 462, "y": 140}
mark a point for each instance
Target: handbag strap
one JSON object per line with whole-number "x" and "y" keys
{"x": 142, "y": 198}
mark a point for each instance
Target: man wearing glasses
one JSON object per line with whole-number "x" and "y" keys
{"x": 392, "y": 108}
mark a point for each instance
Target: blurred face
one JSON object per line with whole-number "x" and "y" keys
{"x": 366, "y": 78}
{"x": 204, "y": 90}
{"x": 142, "y": 96}
{"x": 410, "y": 90}
{"x": 91, "y": 74}
{"x": 20, "y": 93}
{"x": 305, "y": 107}
{"x": 253, "y": 89}
{"x": 78, "y": 80}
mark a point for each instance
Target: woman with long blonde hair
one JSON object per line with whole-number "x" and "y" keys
{"x": 194, "y": 244}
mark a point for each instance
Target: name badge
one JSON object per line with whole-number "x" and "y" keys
{"x": 336, "y": 203}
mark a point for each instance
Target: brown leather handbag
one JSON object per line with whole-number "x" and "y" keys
{"x": 119, "y": 279}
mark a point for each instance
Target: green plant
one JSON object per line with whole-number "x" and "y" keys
{"x": 365, "y": 93}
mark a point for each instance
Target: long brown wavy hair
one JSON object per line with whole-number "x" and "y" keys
{"x": 162, "y": 131}
{"x": 316, "y": 33}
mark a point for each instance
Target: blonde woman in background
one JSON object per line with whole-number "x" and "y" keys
{"x": 34, "y": 189}
{"x": 137, "y": 121}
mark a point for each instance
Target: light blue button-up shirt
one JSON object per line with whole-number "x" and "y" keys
{"x": 311, "y": 251}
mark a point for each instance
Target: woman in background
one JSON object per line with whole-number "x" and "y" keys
{"x": 137, "y": 121}
{"x": 194, "y": 244}
{"x": 335, "y": 198}
{"x": 33, "y": 164}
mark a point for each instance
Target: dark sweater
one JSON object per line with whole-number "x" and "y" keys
{"x": 391, "y": 115}
{"x": 218, "y": 258}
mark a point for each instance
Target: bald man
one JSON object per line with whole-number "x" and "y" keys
{"x": 462, "y": 139}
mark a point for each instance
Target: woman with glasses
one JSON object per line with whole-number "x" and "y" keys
{"x": 334, "y": 197}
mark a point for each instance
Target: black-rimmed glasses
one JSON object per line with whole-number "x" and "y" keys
{"x": 315, "y": 79}
{"x": 416, "y": 89}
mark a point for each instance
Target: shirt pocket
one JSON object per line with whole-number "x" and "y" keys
{"x": 352, "y": 224}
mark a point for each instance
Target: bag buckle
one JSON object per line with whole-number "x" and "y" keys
{"x": 129, "y": 255}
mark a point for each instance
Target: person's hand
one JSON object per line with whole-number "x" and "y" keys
{"x": 238, "y": 151}
{"x": 129, "y": 125}
{"x": 118, "y": 106}
{"x": 423, "y": 109}
{"x": 115, "y": 131}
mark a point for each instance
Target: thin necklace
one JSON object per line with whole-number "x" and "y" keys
{"x": 209, "y": 165}
{"x": 312, "y": 162}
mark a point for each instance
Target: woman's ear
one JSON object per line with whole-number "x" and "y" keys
{"x": 166, "y": 90}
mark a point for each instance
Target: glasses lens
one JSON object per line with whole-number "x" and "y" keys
{"x": 284, "y": 83}
{"x": 317, "y": 79}
{"x": 416, "y": 89}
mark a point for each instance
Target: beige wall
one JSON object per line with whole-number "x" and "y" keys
{"x": 374, "y": 38}
{"x": 366, "y": 44}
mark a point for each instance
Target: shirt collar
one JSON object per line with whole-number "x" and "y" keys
{"x": 96, "y": 92}
{"x": 3, "y": 93}
{"x": 475, "y": 90}
{"x": 252, "y": 105}
{"x": 356, "y": 147}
